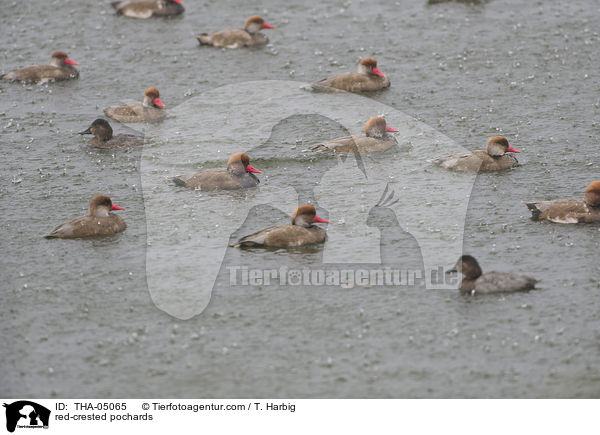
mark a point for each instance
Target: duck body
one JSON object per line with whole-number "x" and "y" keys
{"x": 284, "y": 236}
{"x": 493, "y": 158}
{"x": 59, "y": 68}
{"x": 368, "y": 78}
{"x": 239, "y": 174}
{"x": 476, "y": 282}
{"x": 570, "y": 211}
{"x": 99, "y": 221}
{"x": 143, "y": 9}
{"x": 103, "y": 136}
{"x": 497, "y": 282}
{"x": 249, "y": 36}
{"x": 376, "y": 139}
{"x": 216, "y": 179}
{"x": 301, "y": 232}
{"x": 134, "y": 112}
{"x": 354, "y": 82}
{"x": 477, "y": 161}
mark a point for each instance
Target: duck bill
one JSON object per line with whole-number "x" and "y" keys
{"x": 70, "y": 62}
{"x": 88, "y": 131}
{"x": 268, "y": 26}
{"x": 390, "y": 129}
{"x": 453, "y": 270}
{"x": 252, "y": 169}
{"x": 512, "y": 150}
{"x": 377, "y": 72}
{"x": 158, "y": 103}
{"x": 116, "y": 207}
{"x": 179, "y": 2}
{"x": 320, "y": 220}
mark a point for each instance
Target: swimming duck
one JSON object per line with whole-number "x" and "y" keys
{"x": 103, "y": 136}
{"x": 570, "y": 211}
{"x": 301, "y": 232}
{"x": 239, "y": 174}
{"x": 59, "y": 68}
{"x": 99, "y": 221}
{"x": 150, "y": 109}
{"x": 367, "y": 78}
{"x": 376, "y": 139}
{"x": 493, "y": 158}
{"x": 148, "y": 8}
{"x": 249, "y": 36}
{"x": 491, "y": 282}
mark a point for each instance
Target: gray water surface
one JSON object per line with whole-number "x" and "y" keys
{"x": 76, "y": 316}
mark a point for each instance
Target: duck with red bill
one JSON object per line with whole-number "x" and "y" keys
{"x": 59, "y": 68}
{"x": 98, "y": 222}
{"x": 376, "y": 139}
{"x": 301, "y": 232}
{"x": 151, "y": 108}
{"x": 238, "y": 174}
{"x": 144, "y": 9}
{"x": 367, "y": 78}
{"x": 493, "y": 158}
{"x": 249, "y": 36}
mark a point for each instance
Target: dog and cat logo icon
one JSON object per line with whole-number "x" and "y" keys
{"x": 25, "y": 414}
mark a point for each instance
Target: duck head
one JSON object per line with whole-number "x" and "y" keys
{"x": 306, "y": 215}
{"x": 60, "y": 59}
{"x": 101, "y": 129}
{"x": 468, "y": 266}
{"x": 497, "y": 146}
{"x": 152, "y": 98}
{"x": 368, "y": 65}
{"x": 255, "y": 24}
{"x": 592, "y": 194}
{"x": 101, "y": 205}
{"x": 377, "y": 127}
{"x": 239, "y": 164}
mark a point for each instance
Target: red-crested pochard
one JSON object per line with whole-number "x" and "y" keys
{"x": 239, "y": 174}
{"x": 150, "y": 109}
{"x": 376, "y": 139}
{"x": 99, "y": 221}
{"x": 493, "y": 158}
{"x": 367, "y": 78}
{"x": 570, "y": 211}
{"x": 148, "y": 8}
{"x": 103, "y": 136}
{"x": 59, "y": 68}
{"x": 249, "y": 36}
{"x": 300, "y": 233}
{"x": 475, "y": 282}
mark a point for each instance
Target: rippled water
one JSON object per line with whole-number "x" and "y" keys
{"x": 77, "y": 318}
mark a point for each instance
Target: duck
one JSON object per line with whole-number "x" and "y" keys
{"x": 103, "y": 136}
{"x": 239, "y": 174}
{"x": 150, "y": 109}
{"x": 570, "y": 211}
{"x": 59, "y": 68}
{"x": 99, "y": 221}
{"x": 249, "y": 36}
{"x": 493, "y": 158}
{"x": 476, "y": 282}
{"x": 301, "y": 232}
{"x": 367, "y": 78}
{"x": 376, "y": 139}
{"x": 148, "y": 8}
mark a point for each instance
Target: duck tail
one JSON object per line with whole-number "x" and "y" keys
{"x": 535, "y": 211}
{"x": 178, "y": 181}
{"x": 204, "y": 39}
